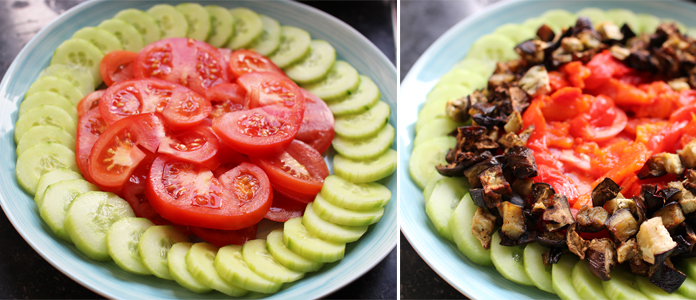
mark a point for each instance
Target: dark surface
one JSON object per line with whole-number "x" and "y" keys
{"x": 25, "y": 274}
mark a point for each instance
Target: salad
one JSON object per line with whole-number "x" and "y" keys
{"x": 151, "y": 138}
{"x": 527, "y": 175}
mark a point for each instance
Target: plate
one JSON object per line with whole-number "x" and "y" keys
{"x": 477, "y": 282}
{"x": 108, "y": 279}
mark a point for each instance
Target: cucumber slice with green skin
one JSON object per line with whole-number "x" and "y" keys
{"x": 354, "y": 196}
{"x": 533, "y": 24}
{"x": 446, "y": 92}
{"x": 494, "y": 47}
{"x": 428, "y": 190}
{"x": 287, "y": 257}
{"x": 365, "y": 97}
{"x": 443, "y": 201}
{"x": 623, "y": 16}
{"x": 41, "y": 159}
{"x": 484, "y": 68}
{"x": 48, "y": 98}
{"x": 44, "y": 115}
{"x": 122, "y": 241}
{"x": 341, "y": 81}
{"x": 153, "y": 246}
{"x": 341, "y": 216}
{"x": 89, "y": 217}
{"x": 79, "y": 77}
{"x": 221, "y": 25}
{"x": 360, "y": 171}
{"x": 460, "y": 226}
{"x": 294, "y": 45}
{"x": 516, "y": 32}
{"x": 80, "y": 53}
{"x": 538, "y": 272}
{"x": 680, "y": 25}
{"x": 363, "y": 125}
{"x": 462, "y": 77}
{"x": 130, "y": 37}
{"x": 653, "y": 292}
{"x": 56, "y": 85}
{"x": 144, "y": 23}
{"x": 176, "y": 260}
{"x": 508, "y": 261}
{"x": 200, "y": 261}
{"x": 58, "y": 197}
{"x": 595, "y": 15}
{"x": 262, "y": 262}
{"x": 170, "y": 21}
{"x": 560, "y": 17}
{"x": 198, "y": 20}
{"x": 230, "y": 265}
{"x": 621, "y": 286}
{"x": 648, "y": 23}
{"x": 687, "y": 289}
{"x": 365, "y": 148}
{"x": 313, "y": 66}
{"x": 330, "y": 231}
{"x": 433, "y": 110}
{"x": 52, "y": 177}
{"x": 104, "y": 40}
{"x": 585, "y": 283}
{"x": 269, "y": 40}
{"x": 45, "y": 134}
{"x": 560, "y": 278}
{"x": 427, "y": 156}
{"x": 299, "y": 240}
{"x": 436, "y": 128}
{"x": 247, "y": 27}
{"x": 688, "y": 266}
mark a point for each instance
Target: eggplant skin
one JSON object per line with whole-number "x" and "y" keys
{"x": 576, "y": 244}
{"x": 605, "y": 191}
{"x": 513, "y": 220}
{"x": 666, "y": 277}
{"x": 622, "y": 225}
{"x": 671, "y": 215}
{"x": 591, "y": 219}
{"x": 601, "y": 258}
{"x": 654, "y": 240}
{"x": 483, "y": 226}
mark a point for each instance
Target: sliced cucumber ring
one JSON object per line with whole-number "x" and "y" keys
{"x": 154, "y": 245}
{"x": 269, "y": 40}
{"x": 230, "y": 265}
{"x": 200, "y": 261}
{"x": 176, "y": 259}
{"x": 330, "y": 231}
{"x": 286, "y": 257}
{"x": 561, "y": 278}
{"x": 460, "y": 226}
{"x": 52, "y": 177}
{"x": 517, "y": 33}
{"x": 595, "y": 15}
{"x": 365, "y": 97}
{"x": 130, "y": 37}
{"x": 122, "y": 241}
{"x": 648, "y": 23}
{"x": 443, "y": 201}
{"x": 299, "y": 240}
{"x": 363, "y": 125}
{"x": 198, "y": 20}
{"x": 314, "y": 65}
{"x": 80, "y": 53}
{"x": 585, "y": 283}
{"x": 508, "y": 261}
{"x": 621, "y": 286}
{"x": 538, "y": 272}
{"x": 41, "y": 159}
{"x": 560, "y": 17}
{"x": 171, "y": 21}
{"x": 365, "y": 170}
{"x": 48, "y": 98}
{"x": 262, "y": 262}
{"x": 341, "y": 216}
{"x": 104, "y": 40}
{"x": 427, "y": 156}
{"x": 622, "y": 16}
{"x": 484, "y": 68}
{"x": 653, "y": 292}
{"x": 435, "y": 128}
{"x": 44, "y": 115}
{"x": 354, "y": 196}
{"x": 81, "y": 78}
{"x": 58, "y": 197}
{"x": 247, "y": 27}
{"x": 365, "y": 148}
{"x": 465, "y": 78}
{"x": 56, "y": 85}
{"x": 144, "y": 23}
{"x": 430, "y": 186}
{"x": 341, "y": 81}
{"x": 493, "y": 47}
{"x": 294, "y": 45}
{"x": 221, "y": 26}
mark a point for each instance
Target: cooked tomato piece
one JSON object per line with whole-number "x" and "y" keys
{"x": 577, "y": 73}
{"x": 89, "y": 102}
{"x": 89, "y": 128}
{"x": 689, "y": 133}
{"x": 667, "y": 139}
{"x": 565, "y": 104}
{"x": 226, "y": 97}
{"x": 561, "y": 183}
{"x": 557, "y": 80}
{"x": 317, "y": 129}
{"x": 265, "y": 89}
{"x": 284, "y": 208}
{"x": 604, "y": 66}
{"x": 247, "y": 61}
{"x": 198, "y": 145}
{"x": 602, "y": 122}
{"x": 299, "y": 168}
{"x": 221, "y": 238}
{"x": 185, "y": 61}
{"x": 117, "y": 66}
{"x": 685, "y": 113}
{"x": 623, "y": 94}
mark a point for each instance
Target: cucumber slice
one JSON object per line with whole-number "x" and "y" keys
{"x": 363, "y": 125}
{"x": 294, "y": 45}
{"x": 58, "y": 197}
{"x": 56, "y": 85}
{"x": 494, "y": 47}
{"x": 79, "y": 77}
{"x": 299, "y": 240}
{"x": 52, "y": 177}
{"x": 41, "y": 159}
{"x": 427, "y": 156}
{"x": 48, "y": 98}
{"x": 460, "y": 226}
{"x": 313, "y": 66}
{"x": 247, "y": 27}
{"x": 621, "y": 286}
{"x": 176, "y": 259}
{"x": 436, "y": 128}
{"x": 444, "y": 199}
{"x": 262, "y": 262}
{"x": 45, "y": 134}
{"x": 170, "y": 20}
{"x": 462, "y": 77}
{"x": 516, "y": 32}
{"x": 198, "y": 20}
{"x": 622, "y": 16}
{"x": 104, "y": 40}
{"x": 560, "y": 17}
{"x": 653, "y": 292}
{"x": 330, "y": 231}
{"x": 585, "y": 283}
{"x": 342, "y": 216}
{"x": 446, "y": 92}
{"x": 365, "y": 97}
{"x": 154, "y": 245}
{"x": 365, "y": 148}
{"x": 130, "y": 37}
{"x": 200, "y": 260}
{"x": 144, "y": 23}
{"x": 435, "y": 106}
{"x": 122, "y": 241}
{"x": 508, "y": 261}
{"x": 230, "y": 265}
{"x": 89, "y": 217}
{"x": 365, "y": 170}
{"x": 560, "y": 278}
{"x": 535, "y": 23}
{"x": 484, "y": 68}
{"x": 286, "y": 257}
{"x": 269, "y": 40}
{"x": 687, "y": 289}
{"x": 648, "y": 23}
{"x": 354, "y": 196}
{"x": 221, "y": 25}
{"x": 688, "y": 266}
{"x": 538, "y": 272}
{"x": 430, "y": 186}
{"x": 341, "y": 81}
{"x": 80, "y": 53}
{"x": 680, "y": 25}
{"x": 44, "y": 115}
{"x": 595, "y": 15}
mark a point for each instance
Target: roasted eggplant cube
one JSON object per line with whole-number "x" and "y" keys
{"x": 542, "y": 197}
{"x": 521, "y": 161}
{"x": 492, "y": 180}
{"x": 627, "y": 251}
{"x": 654, "y": 167}
{"x": 686, "y": 199}
{"x": 522, "y": 187}
{"x": 483, "y": 226}
{"x": 601, "y": 258}
{"x": 605, "y": 191}
{"x": 591, "y": 219}
{"x": 576, "y": 244}
{"x": 513, "y": 220}
{"x": 552, "y": 256}
{"x": 665, "y": 276}
{"x": 672, "y": 215}
{"x": 554, "y": 239}
{"x": 688, "y": 155}
{"x": 482, "y": 200}
{"x": 558, "y": 215}
{"x": 622, "y": 225}
{"x": 654, "y": 240}
{"x": 653, "y": 201}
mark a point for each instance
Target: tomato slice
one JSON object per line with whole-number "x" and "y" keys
{"x": 189, "y": 194}
{"x": 260, "y": 131}
{"x": 299, "y": 168}
{"x": 266, "y": 89}
{"x": 89, "y": 128}
{"x": 198, "y": 145}
{"x": 247, "y": 61}
{"x": 221, "y": 238}
{"x": 601, "y": 123}
{"x": 317, "y": 129}
{"x": 117, "y": 66}
{"x": 284, "y": 208}
{"x": 179, "y": 106}
{"x": 561, "y": 183}
{"x": 297, "y": 196}
{"x": 185, "y": 61}
{"x": 89, "y": 102}
{"x": 226, "y": 97}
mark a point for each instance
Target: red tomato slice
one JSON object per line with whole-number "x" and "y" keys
{"x": 89, "y": 128}
{"x": 198, "y": 145}
{"x": 299, "y": 197}
{"x": 117, "y": 66}
{"x": 623, "y": 94}
{"x": 299, "y": 168}
{"x": 284, "y": 208}
{"x": 266, "y": 89}
{"x": 89, "y": 102}
{"x": 565, "y": 104}
{"x": 685, "y": 113}
{"x": 221, "y": 238}
{"x": 260, "y": 131}
{"x": 179, "y": 106}
{"x": 185, "y": 61}
{"x": 561, "y": 183}
{"x": 247, "y": 61}
{"x": 317, "y": 129}
{"x": 601, "y": 123}
{"x": 188, "y": 194}
{"x": 226, "y": 97}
